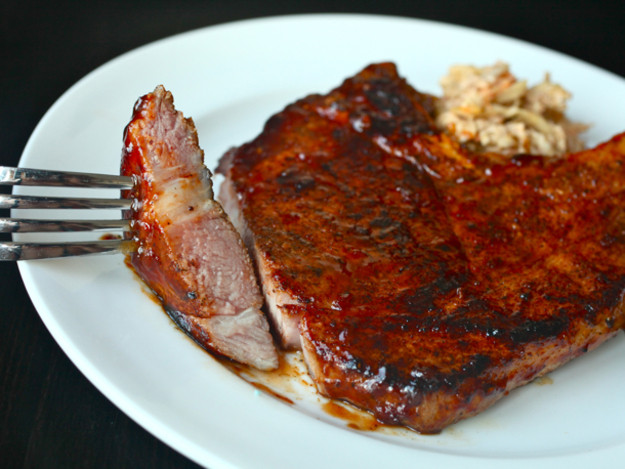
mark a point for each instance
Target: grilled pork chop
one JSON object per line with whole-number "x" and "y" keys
{"x": 189, "y": 253}
{"x": 424, "y": 282}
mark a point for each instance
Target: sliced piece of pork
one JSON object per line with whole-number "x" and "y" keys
{"x": 189, "y": 253}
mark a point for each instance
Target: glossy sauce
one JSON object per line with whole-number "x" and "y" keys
{"x": 356, "y": 419}
{"x": 284, "y": 383}
{"x": 271, "y": 392}
{"x": 290, "y": 382}
{"x": 110, "y": 236}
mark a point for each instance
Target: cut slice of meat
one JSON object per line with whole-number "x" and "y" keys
{"x": 189, "y": 253}
{"x": 424, "y": 282}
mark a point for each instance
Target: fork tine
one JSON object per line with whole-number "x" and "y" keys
{"x": 11, "y": 251}
{"x": 23, "y": 225}
{"x": 28, "y": 201}
{"x": 14, "y": 251}
{"x": 40, "y": 177}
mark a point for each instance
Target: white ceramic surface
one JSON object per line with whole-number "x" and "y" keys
{"x": 230, "y": 78}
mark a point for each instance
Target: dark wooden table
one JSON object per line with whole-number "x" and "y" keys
{"x": 50, "y": 415}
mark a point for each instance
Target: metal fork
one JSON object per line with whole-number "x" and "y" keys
{"x": 15, "y": 251}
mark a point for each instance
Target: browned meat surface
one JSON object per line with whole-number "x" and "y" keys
{"x": 333, "y": 231}
{"x": 424, "y": 282}
{"x": 189, "y": 253}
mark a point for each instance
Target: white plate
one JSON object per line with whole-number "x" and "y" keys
{"x": 230, "y": 78}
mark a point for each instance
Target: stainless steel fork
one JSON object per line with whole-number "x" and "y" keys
{"x": 14, "y": 251}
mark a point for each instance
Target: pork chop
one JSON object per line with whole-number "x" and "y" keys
{"x": 189, "y": 253}
{"x": 424, "y": 282}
